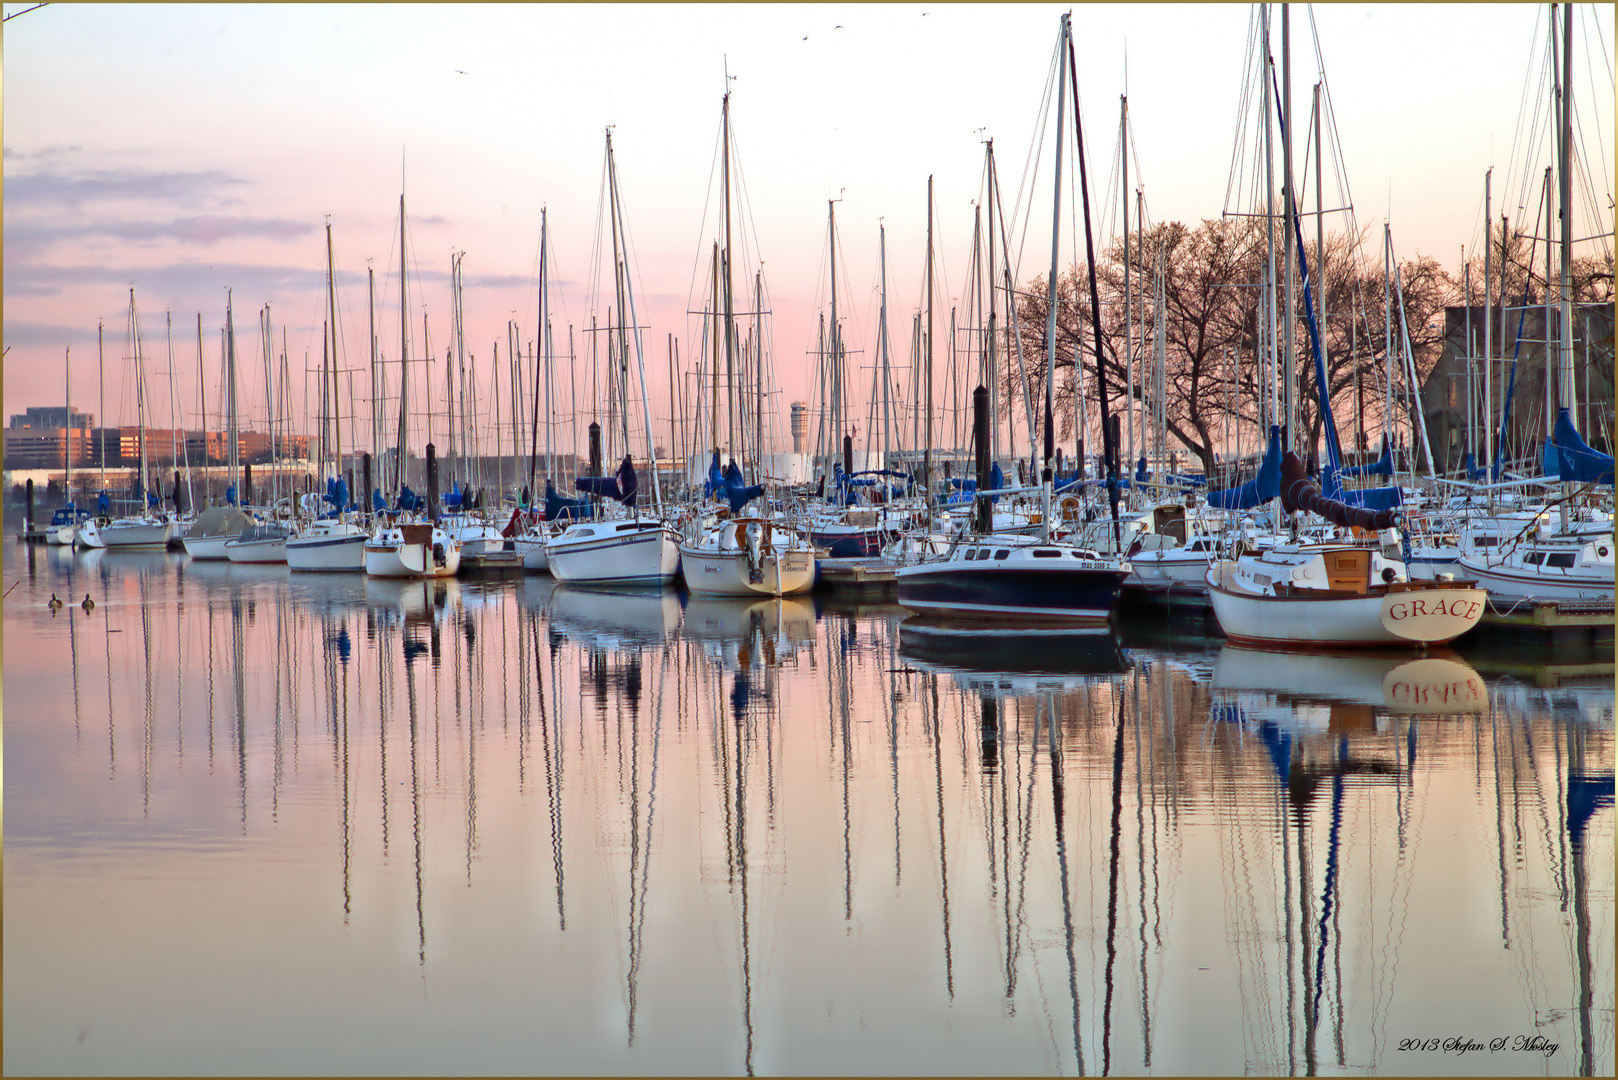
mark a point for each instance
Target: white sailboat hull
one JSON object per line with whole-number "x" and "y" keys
{"x": 532, "y": 548}
{"x": 273, "y": 550}
{"x": 208, "y": 548}
{"x": 1313, "y": 621}
{"x": 1507, "y": 582}
{"x": 730, "y": 573}
{"x": 408, "y": 552}
{"x": 142, "y": 534}
{"x": 333, "y": 552}
{"x": 608, "y": 554}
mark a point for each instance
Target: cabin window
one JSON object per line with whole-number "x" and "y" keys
{"x": 1560, "y": 559}
{"x": 1002, "y": 553}
{"x": 1534, "y": 558}
{"x": 1047, "y": 553}
{"x": 1485, "y": 541}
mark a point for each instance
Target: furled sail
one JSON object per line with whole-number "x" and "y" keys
{"x": 1298, "y": 492}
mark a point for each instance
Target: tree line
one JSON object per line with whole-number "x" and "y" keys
{"x": 1212, "y": 277}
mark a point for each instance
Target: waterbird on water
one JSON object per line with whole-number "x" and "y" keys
{"x": 89, "y": 605}
{"x": 53, "y": 603}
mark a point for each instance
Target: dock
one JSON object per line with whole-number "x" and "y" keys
{"x": 493, "y": 562}
{"x": 867, "y": 575}
{"x": 1570, "y": 617}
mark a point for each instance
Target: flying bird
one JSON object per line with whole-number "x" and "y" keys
{"x": 839, "y": 26}
{"x": 458, "y": 71}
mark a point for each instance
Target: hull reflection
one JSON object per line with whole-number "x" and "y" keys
{"x": 1429, "y": 685}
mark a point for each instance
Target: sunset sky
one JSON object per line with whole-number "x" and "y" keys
{"x": 184, "y": 150}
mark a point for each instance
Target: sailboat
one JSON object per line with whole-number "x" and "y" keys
{"x": 1337, "y": 593}
{"x": 152, "y": 526}
{"x": 724, "y": 553}
{"x": 218, "y": 525}
{"x": 531, "y": 542}
{"x": 639, "y": 550}
{"x": 265, "y": 542}
{"x": 403, "y": 545}
{"x": 65, "y": 522}
{"x": 333, "y": 541}
{"x": 1028, "y": 578}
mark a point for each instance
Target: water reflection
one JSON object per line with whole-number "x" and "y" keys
{"x": 549, "y": 829}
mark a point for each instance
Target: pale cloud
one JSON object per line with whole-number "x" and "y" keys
{"x": 75, "y": 188}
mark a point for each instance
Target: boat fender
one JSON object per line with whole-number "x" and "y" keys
{"x": 439, "y": 558}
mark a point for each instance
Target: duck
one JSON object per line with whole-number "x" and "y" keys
{"x": 89, "y": 605}
{"x": 54, "y": 603}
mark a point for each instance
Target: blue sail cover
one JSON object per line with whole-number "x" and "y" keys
{"x": 968, "y": 484}
{"x": 1377, "y": 498}
{"x": 621, "y": 487}
{"x": 379, "y": 505}
{"x": 1382, "y": 466}
{"x": 1259, "y": 490}
{"x": 560, "y": 509}
{"x": 453, "y": 500}
{"x": 1140, "y": 470}
{"x": 1576, "y": 460}
{"x": 738, "y": 492}
{"x": 337, "y": 495}
{"x": 715, "y": 484}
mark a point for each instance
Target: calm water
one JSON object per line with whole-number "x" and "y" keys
{"x": 261, "y": 824}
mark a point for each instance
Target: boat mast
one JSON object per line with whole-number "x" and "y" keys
{"x": 993, "y": 350}
{"x": 370, "y": 316}
{"x": 1109, "y": 447}
{"x": 1567, "y": 395}
{"x": 882, "y": 329}
{"x": 202, "y": 414}
{"x": 1288, "y": 199}
{"x": 331, "y": 301}
{"x": 232, "y": 426}
{"x": 1488, "y": 327}
{"x": 758, "y": 379}
{"x": 140, "y": 398}
{"x": 1049, "y": 457}
{"x": 1272, "y": 413}
{"x": 404, "y": 349}
{"x": 67, "y": 451}
{"x": 101, "y": 377}
{"x": 730, "y": 310}
{"x": 1129, "y": 294}
{"x": 927, "y": 405}
{"x": 833, "y": 365}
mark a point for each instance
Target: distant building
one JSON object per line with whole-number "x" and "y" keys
{"x": 52, "y": 417}
{"x": 43, "y": 448}
{"x": 33, "y": 446}
{"x": 1455, "y": 387}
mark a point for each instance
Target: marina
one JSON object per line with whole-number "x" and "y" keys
{"x": 1067, "y": 632}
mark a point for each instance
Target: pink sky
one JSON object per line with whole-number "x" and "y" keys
{"x": 186, "y": 150}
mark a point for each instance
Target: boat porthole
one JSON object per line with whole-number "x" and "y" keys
{"x": 1388, "y": 574}
{"x": 1602, "y": 552}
